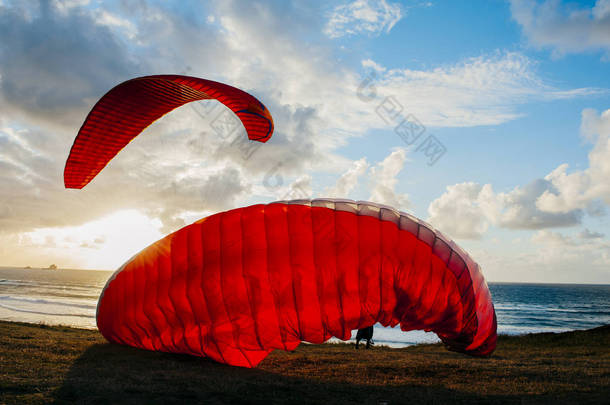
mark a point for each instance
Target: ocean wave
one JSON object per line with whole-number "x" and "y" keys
{"x": 523, "y": 330}
{"x": 52, "y": 284}
{"x": 31, "y": 311}
{"x": 49, "y": 286}
{"x": 56, "y": 288}
{"x": 544, "y": 308}
{"x": 14, "y": 282}
{"x": 62, "y": 295}
{"x": 43, "y": 301}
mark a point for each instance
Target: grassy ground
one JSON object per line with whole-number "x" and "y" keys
{"x": 44, "y": 364}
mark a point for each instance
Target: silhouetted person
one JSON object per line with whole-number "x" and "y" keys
{"x": 365, "y": 333}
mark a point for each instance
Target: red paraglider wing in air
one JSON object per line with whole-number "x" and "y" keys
{"x": 126, "y": 110}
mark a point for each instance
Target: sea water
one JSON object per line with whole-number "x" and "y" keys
{"x": 69, "y": 297}
{"x": 53, "y": 297}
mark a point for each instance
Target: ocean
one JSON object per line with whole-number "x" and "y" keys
{"x": 69, "y": 297}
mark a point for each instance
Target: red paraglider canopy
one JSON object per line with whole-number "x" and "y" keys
{"x": 237, "y": 285}
{"x": 130, "y": 107}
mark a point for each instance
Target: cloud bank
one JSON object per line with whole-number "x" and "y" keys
{"x": 560, "y": 199}
{"x": 564, "y": 27}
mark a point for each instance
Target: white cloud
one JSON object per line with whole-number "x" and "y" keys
{"x": 551, "y": 238}
{"x": 581, "y": 189}
{"x": 300, "y": 189}
{"x": 111, "y": 20}
{"x": 381, "y": 181}
{"x": 556, "y": 249}
{"x": 384, "y": 181}
{"x": 564, "y": 27}
{"x": 460, "y": 210}
{"x": 348, "y": 181}
{"x": 559, "y": 199}
{"x": 65, "y": 6}
{"x": 363, "y": 16}
{"x": 371, "y": 64}
{"x": 467, "y": 210}
{"x": 588, "y": 234}
{"x": 519, "y": 209}
{"x": 52, "y": 61}
{"x": 483, "y": 90}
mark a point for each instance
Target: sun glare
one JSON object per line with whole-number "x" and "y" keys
{"x": 105, "y": 243}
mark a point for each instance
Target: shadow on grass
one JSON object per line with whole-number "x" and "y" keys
{"x": 108, "y": 373}
{"x": 568, "y": 368}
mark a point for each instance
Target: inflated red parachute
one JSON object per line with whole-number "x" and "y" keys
{"x": 237, "y": 285}
{"x": 130, "y": 107}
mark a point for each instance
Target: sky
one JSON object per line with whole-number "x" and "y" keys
{"x": 488, "y": 119}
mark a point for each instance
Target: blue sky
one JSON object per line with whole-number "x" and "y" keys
{"x": 515, "y": 92}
